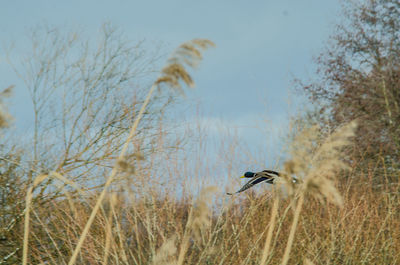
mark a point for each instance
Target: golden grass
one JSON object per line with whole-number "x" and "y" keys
{"x": 159, "y": 230}
{"x": 173, "y": 73}
{"x": 332, "y": 216}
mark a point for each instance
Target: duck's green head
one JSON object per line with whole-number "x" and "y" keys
{"x": 248, "y": 175}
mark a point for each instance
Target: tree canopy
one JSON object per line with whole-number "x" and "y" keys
{"x": 360, "y": 79}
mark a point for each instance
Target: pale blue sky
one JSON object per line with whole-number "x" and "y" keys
{"x": 242, "y": 82}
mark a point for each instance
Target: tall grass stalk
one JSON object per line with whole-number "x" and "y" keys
{"x": 292, "y": 232}
{"x": 28, "y": 203}
{"x": 108, "y": 238}
{"x": 185, "y": 239}
{"x": 272, "y": 220}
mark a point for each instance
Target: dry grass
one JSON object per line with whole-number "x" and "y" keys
{"x": 323, "y": 220}
{"x": 332, "y": 216}
{"x": 165, "y": 230}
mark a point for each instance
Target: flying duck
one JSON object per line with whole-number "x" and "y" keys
{"x": 266, "y": 175}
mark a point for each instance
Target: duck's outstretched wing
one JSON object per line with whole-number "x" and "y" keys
{"x": 252, "y": 182}
{"x": 271, "y": 172}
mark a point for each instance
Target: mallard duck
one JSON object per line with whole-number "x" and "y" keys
{"x": 266, "y": 175}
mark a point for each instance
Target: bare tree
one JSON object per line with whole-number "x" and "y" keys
{"x": 85, "y": 95}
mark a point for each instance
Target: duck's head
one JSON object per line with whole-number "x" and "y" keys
{"x": 248, "y": 175}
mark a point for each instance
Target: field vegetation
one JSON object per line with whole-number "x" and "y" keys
{"x": 104, "y": 179}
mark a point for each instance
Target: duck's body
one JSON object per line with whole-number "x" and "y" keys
{"x": 266, "y": 175}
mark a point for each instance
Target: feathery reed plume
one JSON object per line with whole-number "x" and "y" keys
{"x": 188, "y": 53}
{"x": 316, "y": 163}
{"x": 171, "y": 77}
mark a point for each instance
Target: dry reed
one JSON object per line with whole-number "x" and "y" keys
{"x": 153, "y": 225}
{"x": 173, "y": 73}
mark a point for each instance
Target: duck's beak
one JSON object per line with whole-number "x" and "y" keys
{"x": 242, "y": 177}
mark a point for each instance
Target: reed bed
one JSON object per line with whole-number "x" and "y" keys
{"x": 334, "y": 215}
{"x": 161, "y": 229}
